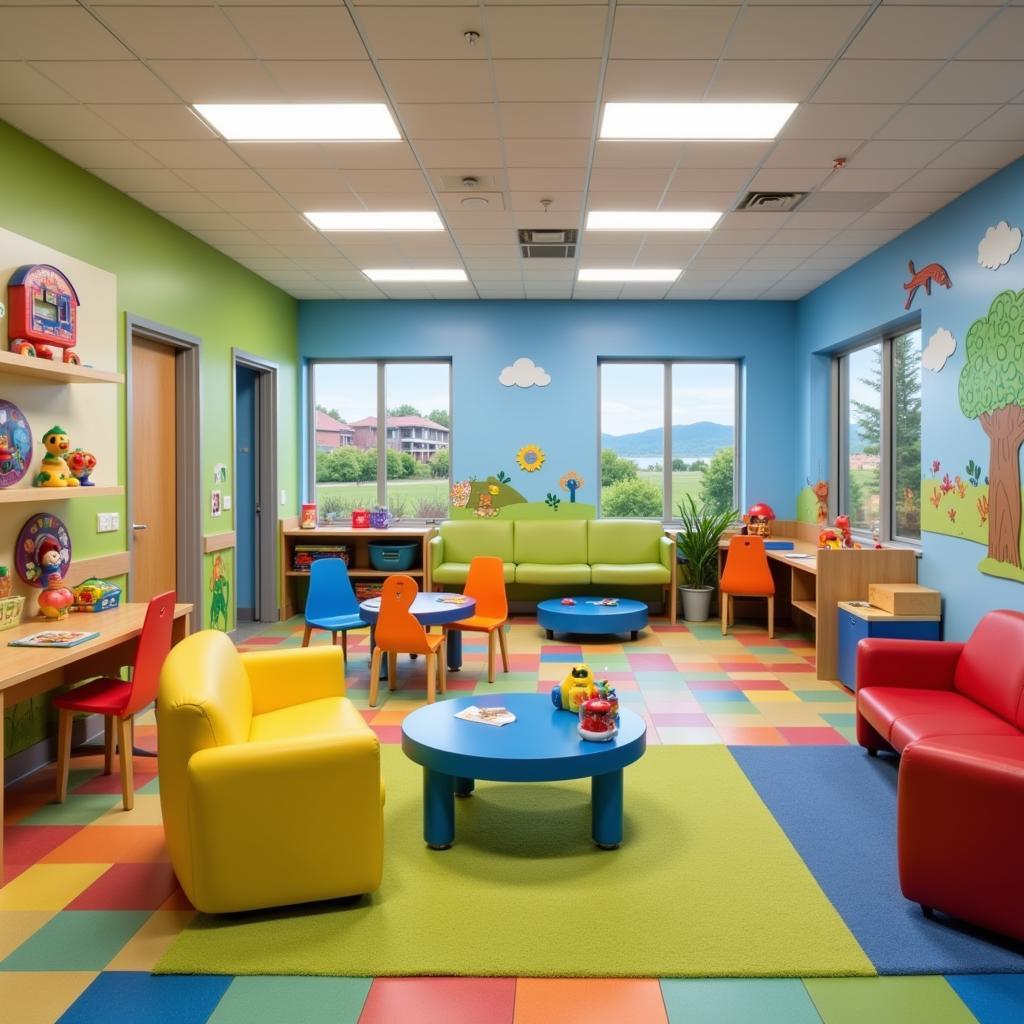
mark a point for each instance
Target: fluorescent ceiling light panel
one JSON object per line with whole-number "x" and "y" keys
{"x": 700, "y": 121}
{"x": 375, "y": 220}
{"x": 414, "y": 274}
{"x": 300, "y": 122}
{"x": 640, "y": 274}
{"x": 652, "y": 220}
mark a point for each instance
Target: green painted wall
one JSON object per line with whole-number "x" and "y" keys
{"x": 166, "y": 275}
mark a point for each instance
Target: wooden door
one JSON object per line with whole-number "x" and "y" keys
{"x": 154, "y": 431}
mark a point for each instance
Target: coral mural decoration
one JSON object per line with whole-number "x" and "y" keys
{"x": 924, "y": 277}
{"x": 992, "y": 392}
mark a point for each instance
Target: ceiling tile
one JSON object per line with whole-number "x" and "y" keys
{"x": 245, "y": 202}
{"x": 723, "y": 154}
{"x": 550, "y": 30}
{"x": 269, "y": 155}
{"x": 187, "y": 32}
{"x": 141, "y": 179}
{"x": 21, "y": 83}
{"x": 980, "y": 154}
{"x": 777, "y": 81}
{"x": 568, "y": 179}
{"x": 896, "y": 154}
{"x": 705, "y": 200}
{"x": 370, "y": 155}
{"x": 438, "y": 81}
{"x": 386, "y": 181}
{"x": 326, "y": 81}
{"x": 92, "y": 154}
{"x": 277, "y": 220}
{"x": 916, "y": 202}
{"x": 547, "y": 152}
{"x": 296, "y": 179}
{"x": 283, "y": 238}
{"x": 540, "y": 80}
{"x": 748, "y": 219}
{"x": 304, "y": 33}
{"x": 465, "y": 152}
{"x": 434, "y": 33}
{"x": 792, "y": 179}
{"x": 547, "y": 120}
{"x": 936, "y": 121}
{"x": 56, "y": 33}
{"x": 904, "y": 33}
{"x": 792, "y": 32}
{"x": 57, "y": 121}
{"x": 637, "y": 154}
{"x": 107, "y": 81}
{"x": 689, "y": 179}
{"x": 193, "y": 154}
{"x": 396, "y": 201}
{"x": 629, "y": 180}
{"x": 999, "y": 40}
{"x": 1007, "y": 123}
{"x": 166, "y": 202}
{"x": 651, "y": 33}
{"x": 217, "y": 220}
{"x": 216, "y": 180}
{"x": 219, "y": 81}
{"x": 876, "y": 81}
{"x": 793, "y": 153}
{"x": 147, "y": 121}
{"x": 656, "y": 80}
{"x": 561, "y": 202}
{"x": 838, "y": 120}
{"x": 889, "y": 220}
{"x": 450, "y": 121}
{"x": 947, "y": 179}
{"x": 975, "y": 81}
{"x": 851, "y": 180}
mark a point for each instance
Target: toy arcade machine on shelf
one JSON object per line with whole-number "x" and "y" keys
{"x": 43, "y": 312}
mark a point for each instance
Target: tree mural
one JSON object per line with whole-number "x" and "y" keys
{"x": 992, "y": 392}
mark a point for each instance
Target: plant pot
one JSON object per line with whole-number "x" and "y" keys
{"x": 696, "y": 603}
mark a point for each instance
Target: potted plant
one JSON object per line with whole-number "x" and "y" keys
{"x": 697, "y": 544}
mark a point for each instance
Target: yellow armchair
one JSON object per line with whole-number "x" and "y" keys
{"x": 269, "y": 777}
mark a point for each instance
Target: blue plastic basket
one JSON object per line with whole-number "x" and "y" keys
{"x": 392, "y": 557}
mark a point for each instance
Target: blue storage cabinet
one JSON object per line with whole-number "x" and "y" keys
{"x": 858, "y": 623}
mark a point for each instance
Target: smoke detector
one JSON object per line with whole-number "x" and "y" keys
{"x": 474, "y": 202}
{"x": 471, "y": 37}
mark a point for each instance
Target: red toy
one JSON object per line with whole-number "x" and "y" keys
{"x": 568, "y": 600}
{"x": 759, "y": 519}
{"x": 43, "y": 312}
{"x": 843, "y": 526}
{"x": 360, "y": 519}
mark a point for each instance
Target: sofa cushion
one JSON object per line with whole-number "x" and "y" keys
{"x": 623, "y": 541}
{"x": 456, "y": 572}
{"x": 328, "y": 716}
{"x": 551, "y": 543}
{"x": 987, "y": 674}
{"x": 542, "y": 572}
{"x": 949, "y": 725}
{"x": 464, "y": 540}
{"x": 635, "y": 574}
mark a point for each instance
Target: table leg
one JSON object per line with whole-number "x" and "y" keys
{"x": 464, "y": 787}
{"x": 438, "y": 810}
{"x": 454, "y": 644}
{"x": 606, "y": 809}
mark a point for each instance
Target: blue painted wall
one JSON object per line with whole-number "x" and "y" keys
{"x": 869, "y": 295}
{"x": 491, "y": 422}
{"x": 245, "y": 486}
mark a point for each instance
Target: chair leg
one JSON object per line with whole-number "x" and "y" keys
{"x": 63, "y": 753}
{"x": 490, "y": 655}
{"x": 306, "y": 634}
{"x": 771, "y": 618}
{"x": 108, "y": 744}
{"x": 392, "y": 670}
{"x": 431, "y": 675}
{"x": 124, "y": 744}
{"x": 344, "y": 646}
{"x": 374, "y": 675}
{"x": 442, "y": 666}
{"x": 503, "y": 643}
{"x": 334, "y": 638}
{"x": 724, "y": 612}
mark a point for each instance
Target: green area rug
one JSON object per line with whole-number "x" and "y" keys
{"x": 706, "y": 884}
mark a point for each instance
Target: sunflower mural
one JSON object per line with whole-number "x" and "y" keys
{"x": 530, "y": 458}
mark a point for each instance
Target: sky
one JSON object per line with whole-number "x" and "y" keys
{"x": 631, "y": 395}
{"x": 351, "y": 388}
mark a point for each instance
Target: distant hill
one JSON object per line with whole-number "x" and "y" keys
{"x": 694, "y": 440}
{"x": 855, "y": 442}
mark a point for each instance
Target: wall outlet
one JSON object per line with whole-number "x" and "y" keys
{"x": 107, "y": 522}
{"x": 227, "y": 502}
{"x": 284, "y": 498}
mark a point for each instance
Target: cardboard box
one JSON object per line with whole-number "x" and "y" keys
{"x": 905, "y": 598}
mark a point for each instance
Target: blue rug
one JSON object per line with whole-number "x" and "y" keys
{"x": 838, "y": 808}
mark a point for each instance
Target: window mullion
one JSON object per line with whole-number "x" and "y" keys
{"x": 885, "y": 499}
{"x": 666, "y": 442}
{"x": 382, "y": 436}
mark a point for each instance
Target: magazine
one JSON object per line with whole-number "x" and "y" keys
{"x": 489, "y": 716}
{"x": 54, "y": 638}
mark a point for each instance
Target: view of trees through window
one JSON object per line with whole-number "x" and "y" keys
{"x": 415, "y": 443}
{"x": 700, "y": 411}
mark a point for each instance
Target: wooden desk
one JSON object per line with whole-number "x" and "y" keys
{"x": 28, "y": 671}
{"x": 813, "y": 587}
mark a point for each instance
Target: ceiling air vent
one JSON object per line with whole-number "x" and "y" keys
{"x": 771, "y": 202}
{"x": 548, "y": 243}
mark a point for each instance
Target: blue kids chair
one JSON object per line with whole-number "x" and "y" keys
{"x": 331, "y": 602}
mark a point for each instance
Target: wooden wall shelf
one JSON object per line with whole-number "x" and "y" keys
{"x": 56, "y": 373}
{"x": 35, "y": 495}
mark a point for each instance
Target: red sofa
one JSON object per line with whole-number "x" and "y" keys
{"x": 956, "y": 714}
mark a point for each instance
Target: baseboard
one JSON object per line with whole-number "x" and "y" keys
{"x": 39, "y": 755}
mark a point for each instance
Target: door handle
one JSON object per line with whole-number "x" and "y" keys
{"x": 140, "y": 526}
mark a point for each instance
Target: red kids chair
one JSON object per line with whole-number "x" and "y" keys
{"x": 119, "y": 700}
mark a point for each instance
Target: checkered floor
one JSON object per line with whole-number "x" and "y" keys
{"x": 89, "y": 901}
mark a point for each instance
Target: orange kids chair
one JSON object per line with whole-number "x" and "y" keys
{"x": 486, "y": 585}
{"x": 118, "y": 700}
{"x": 746, "y": 575}
{"x": 399, "y": 632}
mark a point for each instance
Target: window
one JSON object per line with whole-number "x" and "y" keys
{"x": 667, "y": 429}
{"x": 879, "y": 432}
{"x": 355, "y": 464}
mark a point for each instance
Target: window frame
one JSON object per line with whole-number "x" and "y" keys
{"x": 381, "y": 365}
{"x": 668, "y": 514}
{"x": 839, "y": 483}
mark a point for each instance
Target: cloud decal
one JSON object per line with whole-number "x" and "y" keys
{"x": 941, "y": 345}
{"x": 998, "y": 245}
{"x": 524, "y": 373}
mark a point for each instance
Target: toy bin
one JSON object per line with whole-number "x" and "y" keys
{"x": 10, "y": 612}
{"x": 393, "y": 557}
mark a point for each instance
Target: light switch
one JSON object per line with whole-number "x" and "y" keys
{"x": 227, "y": 502}
{"x": 284, "y": 497}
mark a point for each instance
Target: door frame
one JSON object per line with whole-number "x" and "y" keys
{"x": 188, "y": 413}
{"x": 267, "y": 608}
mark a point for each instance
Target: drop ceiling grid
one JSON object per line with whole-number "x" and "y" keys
{"x": 924, "y": 100}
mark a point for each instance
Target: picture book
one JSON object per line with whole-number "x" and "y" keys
{"x": 489, "y": 716}
{"x": 54, "y": 638}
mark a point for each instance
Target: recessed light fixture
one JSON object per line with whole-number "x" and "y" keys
{"x": 375, "y": 220}
{"x": 652, "y": 220}
{"x": 731, "y": 121}
{"x": 300, "y": 122}
{"x": 416, "y": 274}
{"x": 653, "y": 274}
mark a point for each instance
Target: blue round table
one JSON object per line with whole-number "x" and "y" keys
{"x": 542, "y": 745}
{"x": 588, "y": 618}
{"x": 429, "y": 610}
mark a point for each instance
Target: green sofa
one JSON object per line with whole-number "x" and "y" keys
{"x": 574, "y": 552}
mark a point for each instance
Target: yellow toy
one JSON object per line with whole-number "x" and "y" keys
{"x": 54, "y": 471}
{"x": 577, "y": 687}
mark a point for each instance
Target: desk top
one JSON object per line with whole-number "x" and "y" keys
{"x": 18, "y": 664}
{"x": 800, "y": 547}
{"x": 429, "y": 609}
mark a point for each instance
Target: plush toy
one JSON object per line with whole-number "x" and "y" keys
{"x": 843, "y": 526}
{"x": 81, "y": 463}
{"x": 54, "y": 471}
{"x": 574, "y": 689}
{"x": 829, "y": 539}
